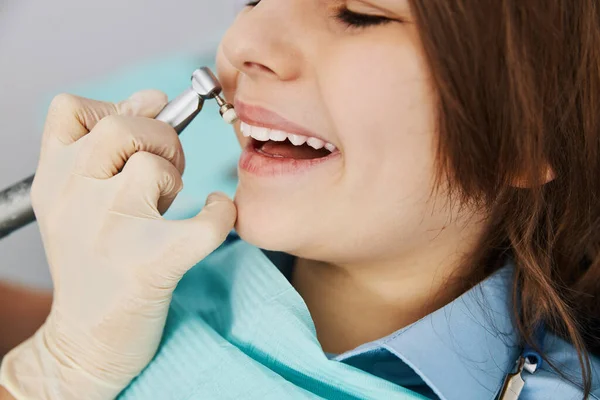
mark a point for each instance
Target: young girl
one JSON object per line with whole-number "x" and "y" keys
{"x": 425, "y": 174}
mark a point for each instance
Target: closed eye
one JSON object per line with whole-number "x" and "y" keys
{"x": 357, "y": 20}
{"x": 350, "y": 18}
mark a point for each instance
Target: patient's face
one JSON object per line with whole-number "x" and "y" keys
{"x": 365, "y": 90}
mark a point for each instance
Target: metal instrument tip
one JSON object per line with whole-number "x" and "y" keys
{"x": 226, "y": 110}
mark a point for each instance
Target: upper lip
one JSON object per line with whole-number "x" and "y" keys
{"x": 259, "y": 116}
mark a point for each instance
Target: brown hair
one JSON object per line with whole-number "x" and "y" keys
{"x": 518, "y": 87}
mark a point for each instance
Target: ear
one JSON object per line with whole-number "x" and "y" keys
{"x": 525, "y": 183}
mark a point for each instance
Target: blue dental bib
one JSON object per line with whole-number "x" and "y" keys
{"x": 237, "y": 329}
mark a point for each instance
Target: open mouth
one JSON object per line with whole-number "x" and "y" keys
{"x": 279, "y": 144}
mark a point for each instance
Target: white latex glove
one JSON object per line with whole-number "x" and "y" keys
{"x": 114, "y": 259}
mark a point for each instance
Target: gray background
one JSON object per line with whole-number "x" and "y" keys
{"x": 48, "y": 45}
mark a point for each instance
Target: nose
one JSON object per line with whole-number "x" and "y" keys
{"x": 261, "y": 43}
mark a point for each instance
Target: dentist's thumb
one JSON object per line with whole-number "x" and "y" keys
{"x": 197, "y": 237}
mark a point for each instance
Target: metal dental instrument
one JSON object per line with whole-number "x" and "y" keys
{"x": 181, "y": 111}
{"x": 15, "y": 202}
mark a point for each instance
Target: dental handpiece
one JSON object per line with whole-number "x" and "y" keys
{"x": 15, "y": 202}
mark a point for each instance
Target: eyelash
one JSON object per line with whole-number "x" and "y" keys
{"x": 357, "y": 20}
{"x": 350, "y": 18}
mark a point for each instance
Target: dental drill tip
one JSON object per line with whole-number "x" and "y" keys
{"x": 226, "y": 110}
{"x": 230, "y": 116}
{"x": 220, "y": 101}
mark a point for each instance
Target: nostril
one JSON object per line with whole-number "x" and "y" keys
{"x": 252, "y": 66}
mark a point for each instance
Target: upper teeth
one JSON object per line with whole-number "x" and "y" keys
{"x": 264, "y": 134}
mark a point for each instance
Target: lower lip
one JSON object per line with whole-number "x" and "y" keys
{"x": 263, "y": 165}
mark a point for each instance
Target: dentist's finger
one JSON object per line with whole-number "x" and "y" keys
{"x": 106, "y": 149}
{"x": 71, "y": 117}
{"x": 195, "y": 238}
{"x": 148, "y": 186}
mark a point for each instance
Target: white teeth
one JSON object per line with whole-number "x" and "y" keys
{"x": 261, "y": 134}
{"x": 315, "y": 143}
{"x": 245, "y": 129}
{"x": 278, "y": 136}
{"x": 298, "y": 140}
{"x": 264, "y": 134}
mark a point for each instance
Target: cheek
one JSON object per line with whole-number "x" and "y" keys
{"x": 383, "y": 108}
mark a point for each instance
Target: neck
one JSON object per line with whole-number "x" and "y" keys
{"x": 354, "y": 304}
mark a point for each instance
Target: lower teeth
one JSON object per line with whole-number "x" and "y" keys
{"x": 268, "y": 154}
{"x": 287, "y": 150}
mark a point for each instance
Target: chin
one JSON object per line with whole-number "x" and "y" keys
{"x": 269, "y": 225}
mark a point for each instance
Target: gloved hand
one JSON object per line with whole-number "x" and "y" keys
{"x": 106, "y": 174}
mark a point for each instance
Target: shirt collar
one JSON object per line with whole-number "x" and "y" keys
{"x": 469, "y": 343}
